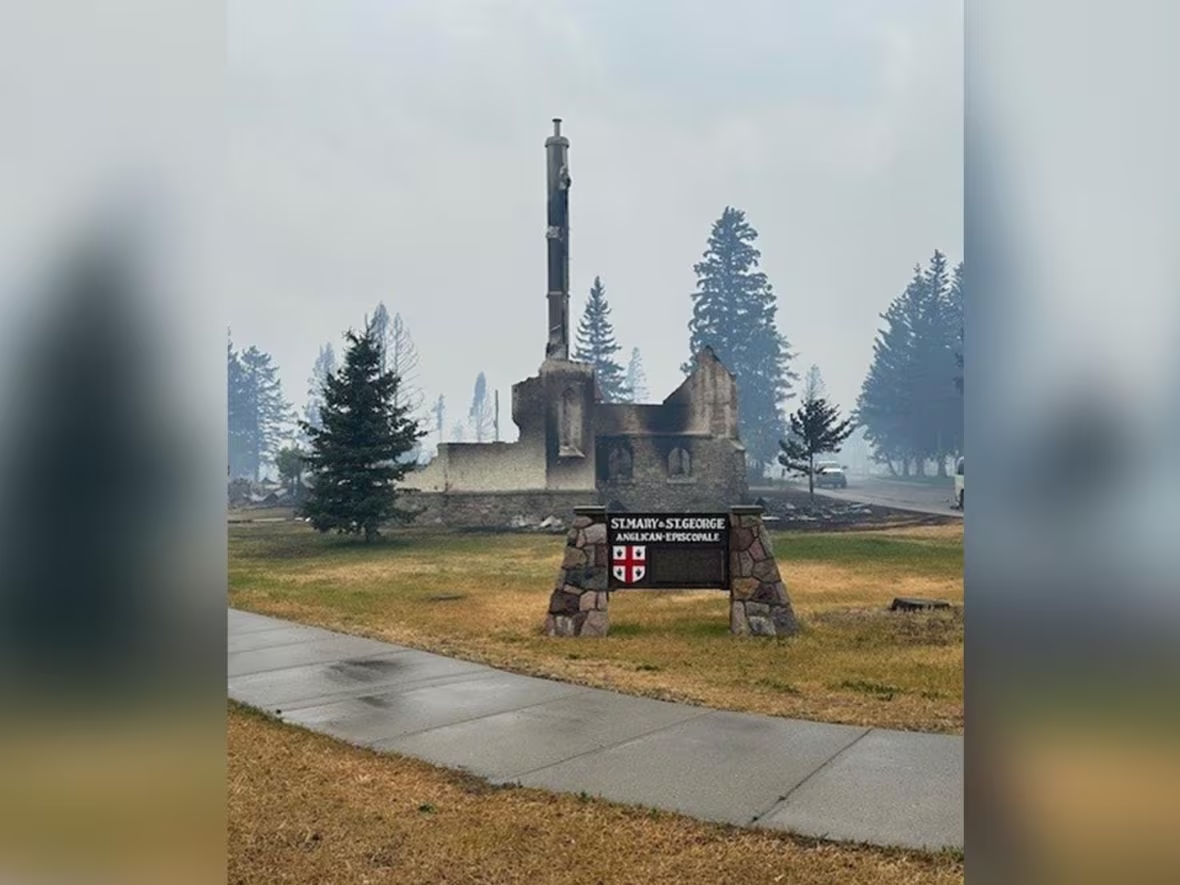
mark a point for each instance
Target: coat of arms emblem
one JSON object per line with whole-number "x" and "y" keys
{"x": 628, "y": 563}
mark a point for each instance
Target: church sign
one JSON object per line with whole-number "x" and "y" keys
{"x": 660, "y": 551}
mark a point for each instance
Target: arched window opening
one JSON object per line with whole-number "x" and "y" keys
{"x": 619, "y": 464}
{"x": 679, "y": 463}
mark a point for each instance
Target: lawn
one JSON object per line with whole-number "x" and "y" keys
{"x": 303, "y": 808}
{"x": 483, "y": 597}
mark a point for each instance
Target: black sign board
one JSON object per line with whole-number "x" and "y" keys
{"x": 665, "y": 551}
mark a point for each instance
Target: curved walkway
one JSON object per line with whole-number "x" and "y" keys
{"x": 829, "y": 781}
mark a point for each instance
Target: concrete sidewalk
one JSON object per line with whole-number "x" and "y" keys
{"x": 830, "y": 781}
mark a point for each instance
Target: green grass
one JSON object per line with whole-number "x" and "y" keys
{"x": 916, "y": 555}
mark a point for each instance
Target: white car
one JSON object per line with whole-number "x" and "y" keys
{"x": 831, "y": 475}
{"x": 959, "y": 477}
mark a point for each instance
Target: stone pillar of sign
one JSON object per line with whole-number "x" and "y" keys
{"x": 578, "y": 604}
{"x": 758, "y": 601}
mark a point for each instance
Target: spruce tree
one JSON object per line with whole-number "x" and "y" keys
{"x": 636, "y": 378}
{"x": 937, "y": 355}
{"x": 911, "y": 400}
{"x": 815, "y": 428}
{"x": 734, "y": 312}
{"x": 596, "y": 344}
{"x": 356, "y": 455}
{"x": 886, "y": 403}
{"x": 947, "y": 367}
{"x": 258, "y": 415}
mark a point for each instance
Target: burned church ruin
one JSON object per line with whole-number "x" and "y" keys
{"x": 574, "y": 449}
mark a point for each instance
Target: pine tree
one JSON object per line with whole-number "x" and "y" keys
{"x": 910, "y": 401}
{"x": 815, "y": 428}
{"x": 636, "y": 378}
{"x": 734, "y": 312}
{"x": 357, "y": 454}
{"x": 596, "y": 344}
{"x": 257, "y": 412}
{"x": 886, "y": 403}
{"x": 936, "y": 343}
{"x": 480, "y": 414}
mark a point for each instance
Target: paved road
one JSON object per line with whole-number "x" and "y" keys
{"x": 918, "y": 497}
{"x": 829, "y": 781}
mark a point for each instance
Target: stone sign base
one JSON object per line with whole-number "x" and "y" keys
{"x": 578, "y": 605}
{"x": 758, "y": 601}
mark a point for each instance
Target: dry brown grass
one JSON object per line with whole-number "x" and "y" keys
{"x": 306, "y": 809}
{"x": 854, "y": 662}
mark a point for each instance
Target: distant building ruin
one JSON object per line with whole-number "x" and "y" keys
{"x": 681, "y": 454}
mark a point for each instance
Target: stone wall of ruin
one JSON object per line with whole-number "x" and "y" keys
{"x": 494, "y": 510}
{"x": 716, "y": 481}
{"x": 481, "y": 467}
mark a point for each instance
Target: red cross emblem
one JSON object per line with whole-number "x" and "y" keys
{"x": 629, "y": 564}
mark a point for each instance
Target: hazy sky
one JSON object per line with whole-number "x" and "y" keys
{"x": 393, "y": 150}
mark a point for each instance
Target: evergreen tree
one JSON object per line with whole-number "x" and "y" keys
{"x": 236, "y": 407}
{"x": 636, "y": 378}
{"x": 815, "y": 428}
{"x": 936, "y": 342}
{"x": 480, "y": 414}
{"x": 356, "y": 456}
{"x": 323, "y": 369}
{"x": 813, "y": 385}
{"x": 289, "y": 463}
{"x": 956, "y": 313}
{"x": 910, "y": 401}
{"x": 379, "y": 326}
{"x": 257, "y": 412}
{"x": 596, "y": 344}
{"x": 734, "y": 312}
{"x": 886, "y": 405}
